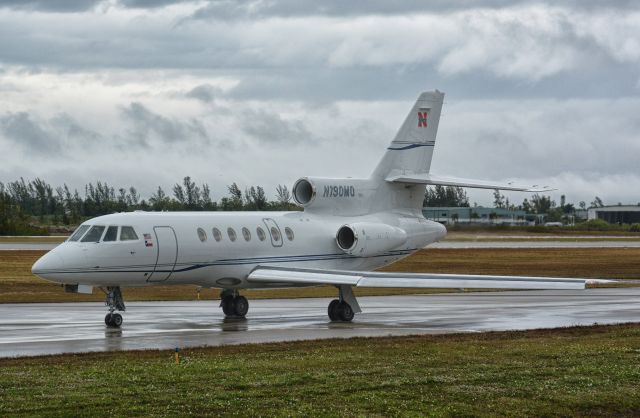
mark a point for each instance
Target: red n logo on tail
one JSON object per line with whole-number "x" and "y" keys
{"x": 422, "y": 119}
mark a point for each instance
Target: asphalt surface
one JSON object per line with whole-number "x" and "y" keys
{"x": 34, "y": 329}
{"x": 535, "y": 244}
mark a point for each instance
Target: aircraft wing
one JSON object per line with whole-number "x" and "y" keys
{"x": 288, "y": 276}
{"x": 433, "y": 179}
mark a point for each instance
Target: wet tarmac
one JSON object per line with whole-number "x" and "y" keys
{"x": 535, "y": 244}
{"x": 34, "y": 329}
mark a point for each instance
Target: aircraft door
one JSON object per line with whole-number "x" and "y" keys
{"x": 167, "y": 247}
{"x": 274, "y": 232}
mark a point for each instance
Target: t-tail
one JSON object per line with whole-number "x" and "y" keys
{"x": 399, "y": 181}
{"x": 411, "y": 150}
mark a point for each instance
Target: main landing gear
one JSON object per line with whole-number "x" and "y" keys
{"x": 344, "y": 308}
{"x": 115, "y": 302}
{"x": 233, "y": 305}
{"x": 340, "y": 311}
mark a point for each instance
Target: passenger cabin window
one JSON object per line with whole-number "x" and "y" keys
{"x": 79, "y": 233}
{"x": 111, "y": 234}
{"x": 246, "y": 234}
{"x": 275, "y": 234}
{"x": 128, "y": 234}
{"x": 94, "y": 234}
{"x": 261, "y": 234}
{"x": 217, "y": 235}
{"x": 232, "y": 234}
{"x": 202, "y": 235}
{"x": 289, "y": 233}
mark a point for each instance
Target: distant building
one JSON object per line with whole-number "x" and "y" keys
{"x": 619, "y": 214}
{"x": 479, "y": 214}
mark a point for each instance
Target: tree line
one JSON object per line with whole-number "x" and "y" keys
{"x": 21, "y": 201}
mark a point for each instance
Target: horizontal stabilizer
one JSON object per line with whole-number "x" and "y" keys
{"x": 431, "y": 179}
{"x": 281, "y": 275}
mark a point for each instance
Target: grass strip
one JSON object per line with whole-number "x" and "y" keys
{"x": 582, "y": 371}
{"x": 18, "y": 285}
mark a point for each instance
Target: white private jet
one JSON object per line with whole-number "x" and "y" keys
{"x": 348, "y": 228}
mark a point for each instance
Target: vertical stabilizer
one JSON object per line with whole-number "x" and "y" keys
{"x": 412, "y": 149}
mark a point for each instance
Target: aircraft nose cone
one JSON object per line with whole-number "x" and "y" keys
{"x": 47, "y": 264}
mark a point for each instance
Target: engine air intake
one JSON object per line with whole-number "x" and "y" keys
{"x": 303, "y": 192}
{"x": 346, "y": 238}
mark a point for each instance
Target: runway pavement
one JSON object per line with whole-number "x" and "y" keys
{"x": 535, "y": 244}
{"x": 33, "y": 329}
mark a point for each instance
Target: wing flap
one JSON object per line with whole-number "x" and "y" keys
{"x": 281, "y": 275}
{"x": 302, "y": 276}
{"x": 463, "y": 281}
{"x": 432, "y": 179}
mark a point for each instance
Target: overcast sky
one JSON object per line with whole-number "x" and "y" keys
{"x": 145, "y": 92}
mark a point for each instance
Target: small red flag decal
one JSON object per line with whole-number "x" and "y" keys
{"x": 422, "y": 119}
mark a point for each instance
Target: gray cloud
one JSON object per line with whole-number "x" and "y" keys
{"x": 147, "y": 125}
{"x": 28, "y": 133}
{"x": 149, "y": 4}
{"x": 50, "y": 5}
{"x": 40, "y": 136}
{"x": 204, "y": 92}
{"x": 271, "y": 128}
{"x": 245, "y": 9}
{"x": 544, "y": 91}
{"x": 506, "y": 46}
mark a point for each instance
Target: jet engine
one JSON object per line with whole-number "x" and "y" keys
{"x": 337, "y": 196}
{"x": 367, "y": 238}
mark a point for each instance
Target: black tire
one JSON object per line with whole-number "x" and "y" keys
{"x": 228, "y": 306}
{"x": 333, "y": 310}
{"x": 241, "y": 306}
{"x": 116, "y": 320}
{"x": 345, "y": 312}
{"x": 108, "y": 320}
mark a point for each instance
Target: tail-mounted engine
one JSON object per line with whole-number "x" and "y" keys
{"x": 366, "y": 239}
{"x": 334, "y": 196}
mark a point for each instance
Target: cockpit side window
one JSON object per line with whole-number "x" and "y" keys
{"x": 128, "y": 234}
{"x": 79, "y": 233}
{"x": 94, "y": 234}
{"x": 111, "y": 234}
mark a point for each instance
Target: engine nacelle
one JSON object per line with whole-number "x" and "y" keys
{"x": 334, "y": 195}
{"x": 367, "y": 238}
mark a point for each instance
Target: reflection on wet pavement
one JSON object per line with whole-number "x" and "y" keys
{"x": 33, "y": 329}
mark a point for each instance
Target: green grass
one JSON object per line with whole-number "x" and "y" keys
{"x": 53, "y": 239}
{"x": 584, "y": 371}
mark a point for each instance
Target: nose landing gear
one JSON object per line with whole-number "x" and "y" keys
{"x": 233, "y": 305}
{"x": 115, "y": 302}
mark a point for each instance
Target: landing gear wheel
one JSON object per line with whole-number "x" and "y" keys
{"x": 234, "y": 306}
{"x": 228, "y": 306}
{"x": 116, "y": 320}
{"x": 333, "y": 310}
{"x": 113, "y": 320}
{"x": 241, "y": 306}
{"x": 345, "y": 312}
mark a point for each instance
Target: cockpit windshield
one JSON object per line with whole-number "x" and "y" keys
{"x": 111, "y": 235}
{"x": 128, "y": 234}
{"x": 94, "y": 234}
{"x": 79, "y": 233}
